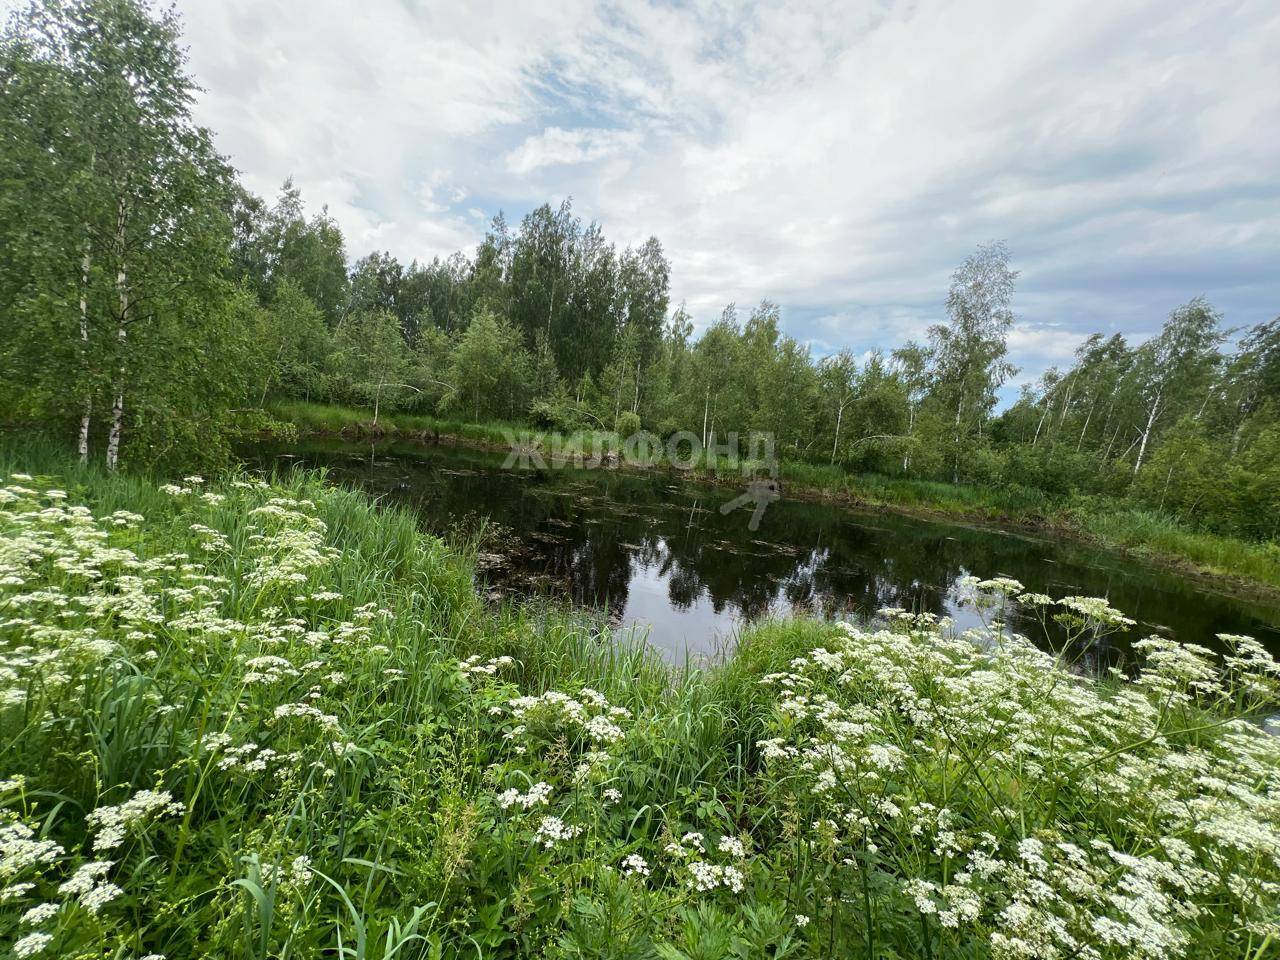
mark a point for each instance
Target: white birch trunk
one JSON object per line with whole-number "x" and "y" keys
{"x": 122, "y": 334}
{"x": 911, "y": 426}
{"x": 117, "y": 406}
{"x": 1087, "y": 417}
{"x": 706, "y": 406}
{"x": 82, "y": 444}
{"x": 1036, "y": 438}
{"x": 836, "y": 446}
{"x": 1146, "y": 433}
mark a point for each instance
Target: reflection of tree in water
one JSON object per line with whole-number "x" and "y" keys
{"x": 850, "y": 568}
{"x": 590, "y": 536}
{"x": 684, "y": 585}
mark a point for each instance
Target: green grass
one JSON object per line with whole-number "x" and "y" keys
{"x": 1018, "y": 504}
{"x": 1152, "y": 534}
{"x": 275, "y": 720}
{"x": 334, "y": 419}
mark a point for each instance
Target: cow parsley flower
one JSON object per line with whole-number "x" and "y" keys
{"x": 732, "y": 846}
{"x": 32, "y": 944}
{"x": 553, "y": 830}
{"x": 39, "y": 914}
{"x": 704, "y": 877}
{"x": 635, "y": 864}
{"x": 111, "y": 824}
{"x": 538, "y": 795}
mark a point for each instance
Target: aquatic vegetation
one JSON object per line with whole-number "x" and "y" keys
{"x": 271, "y": 719}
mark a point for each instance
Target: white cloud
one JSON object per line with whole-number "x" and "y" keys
{"x": 839, "y": 159}
{"x": 555, "y": 146}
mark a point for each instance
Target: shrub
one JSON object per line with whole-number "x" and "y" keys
{"x": 628, "y": 423}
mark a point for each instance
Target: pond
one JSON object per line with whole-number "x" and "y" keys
{"x": 655, "y": 554}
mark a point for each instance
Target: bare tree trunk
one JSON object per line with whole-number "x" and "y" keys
{"x": 262, "y": 401}
{"x": 1208, "y": 395}
{"x": 1036, "y": 438}
{"x": 1087, "y": 417}
{"x": 1066, "y": 403}
{"x": 85, "y": 418}
{"x": 1243, "y": 409}
{"x": 82, "y": 444}
{"x": 1131, "y": 446}
{"x": 706, "y": 405}
{"x": 911, "y": 426}
{"x": 1167, "y": 480}
{"x": 635, "y": 402}
{"x": 836, "y": 446}
{"x": 1146, "y": 433}
{"x": 1106, "y": 455}
{"x": 122, "y": 286}
{"x": 551, "y": 308}
{"x": 117, "y": 406}
{"x": 117, "y": 423}
{"x": 955, "y": 467}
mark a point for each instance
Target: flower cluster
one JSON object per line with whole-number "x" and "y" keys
{"x": 474, "y": 666}
{"x": 553, "y": 830}
{"x": 553, "y": 712}
{"x": 867, "y": 725}
{"x": 537, "y": 795}
{"x": 89, "y": 613}
{"x": 112, "y": 824}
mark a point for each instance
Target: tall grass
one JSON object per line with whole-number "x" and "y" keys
{"x": 1159, "y": 536}
{"x": 275, "y": 720}
{"x": 336, "y": 419}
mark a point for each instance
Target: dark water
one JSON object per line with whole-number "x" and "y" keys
{"x": 655, "y": 552}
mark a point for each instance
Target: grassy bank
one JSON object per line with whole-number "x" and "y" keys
{"x": 1237, "y": 564}
{"x": 242, "y": 719}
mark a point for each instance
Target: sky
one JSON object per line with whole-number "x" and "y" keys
{"x": 840, "y": 159}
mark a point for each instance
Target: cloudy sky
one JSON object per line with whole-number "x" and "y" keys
{"x": 840, "y": 159}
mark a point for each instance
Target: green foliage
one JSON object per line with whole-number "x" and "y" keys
{"x": 294, "y": 341}
{"x": 265, "y": 720}
{"x": 153, "y": 301}
{"x": 627, "y": 424}
{"x": 121, "y": 198}
{"x": 489, "y": 371}
{"x": 369, "y": 363}
{"x": 279, "y": 245}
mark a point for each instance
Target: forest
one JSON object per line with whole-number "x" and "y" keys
{"x": 156, "y": 309}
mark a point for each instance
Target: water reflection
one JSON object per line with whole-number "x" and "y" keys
{"x": 656, "y": 552}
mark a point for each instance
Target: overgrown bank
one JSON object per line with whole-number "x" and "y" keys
{"x": 273, "y": 720}
{"x": 1243, "y": 566}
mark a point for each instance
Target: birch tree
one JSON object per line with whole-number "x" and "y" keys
{"x": 1175, "y": 370}
{"x": 838, "y": 383}
{"x": 968, "y": 351}
{"x": 142, "y": 197}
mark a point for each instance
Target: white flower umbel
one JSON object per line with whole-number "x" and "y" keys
{"x": 553, "y": 831}
{"x": 537, "y": 795}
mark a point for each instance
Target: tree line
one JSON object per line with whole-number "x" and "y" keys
{"x": 153, "y": 308}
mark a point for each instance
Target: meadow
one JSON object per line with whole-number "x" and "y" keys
{"x": 253, "y": 718}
